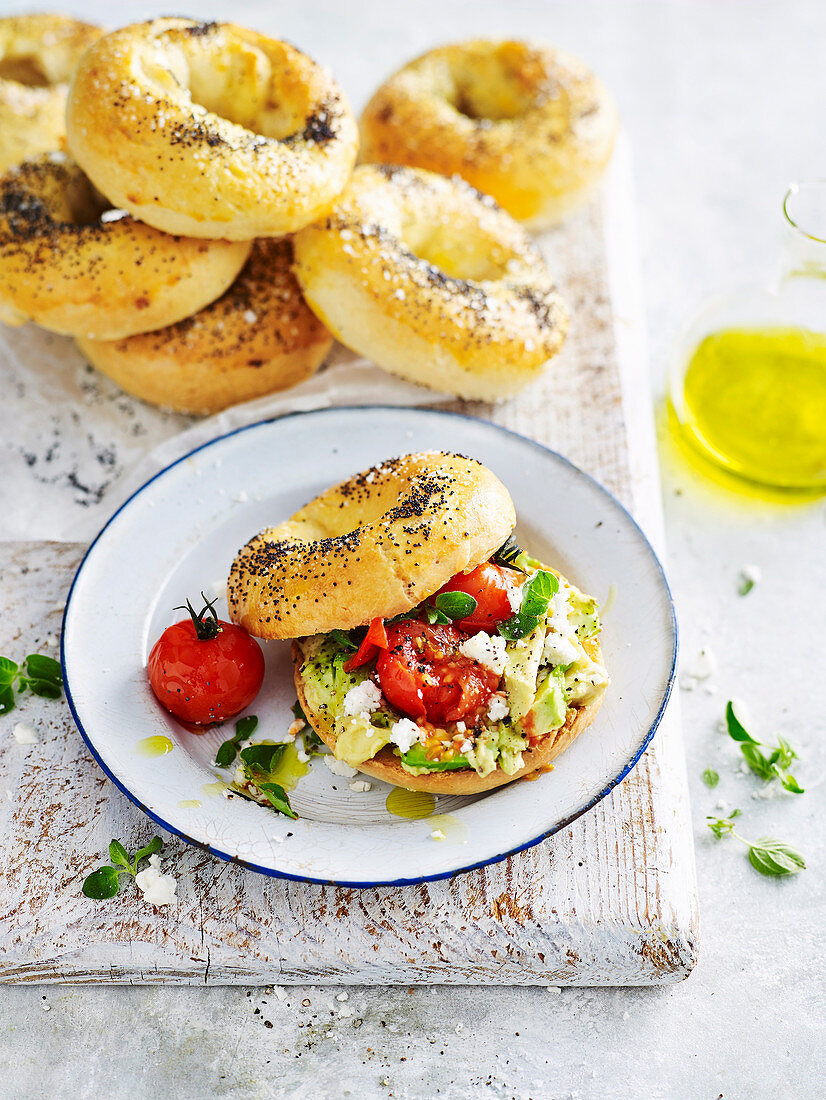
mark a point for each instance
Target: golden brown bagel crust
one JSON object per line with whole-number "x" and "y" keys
{"x": 67, "y": 264}
{"x": 527, "y": 124}
{"x": 38, "y": 54}
{"x": 210, "y": 129}
{"x": 260, "y": 336}
{"x": 432, "y": 281}
{"x": 387, "y": 766}
{"x": 377, "y": 544}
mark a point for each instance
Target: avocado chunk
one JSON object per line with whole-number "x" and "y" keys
{"x": 550, "y": 707}
{"x": 416, "y": 758}
{"x": 521, "y": 671}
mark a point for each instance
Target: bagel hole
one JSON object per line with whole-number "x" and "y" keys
{"x": 458, "y": 248}
{"x": 24, "y": 70}
{"x": 497, "y": 86}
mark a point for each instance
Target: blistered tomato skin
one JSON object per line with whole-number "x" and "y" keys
{"x": 492, "y": 586}
{"x": 202, "y": 681}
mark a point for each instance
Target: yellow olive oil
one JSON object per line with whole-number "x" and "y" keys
{"x": 411, "y": 804}
{"x": 755, "y": 401}
{"x": 211, "y": 789}
{"x": 289, "y": 769}
{"x": 154, "y": 746}
{"x": 455, "y": 830}
{"x": 189, "y": 803}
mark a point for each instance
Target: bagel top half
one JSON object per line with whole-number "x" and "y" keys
{"x": 375, "y": 545}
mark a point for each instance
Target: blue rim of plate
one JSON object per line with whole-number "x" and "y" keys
{"x": 269, "y": 871}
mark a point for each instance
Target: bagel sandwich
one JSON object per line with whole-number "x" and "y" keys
{"x": 430, "y": 650}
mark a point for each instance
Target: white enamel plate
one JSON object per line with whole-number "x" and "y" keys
{"x": 178, "y": 535}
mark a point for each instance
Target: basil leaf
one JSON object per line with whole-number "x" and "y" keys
{"x": 117, "y": 854}
{"x": 736, "y": 731}
{"x": 102, "y": 883}
{"x": 758, "y": 763}
{"x": 437, "y": 617}
{"x": 278, "y": 798}
{"x": 746, "y": 586}
{"x": 785, "y": 753}
{"x": 264, "y": 757}
{"x": 154, "y": 845}
{"x": 245, "y": 727}
{"x": 343, "y": 640}
{"x": 8, "y": 671}
{"x": 226, "y": 753}
{"x": 456, "y": 605}
{"x": 39, "y": 667}
{"x": 6, "y": 698}
{"x": 710, "y": 777}
{"x": 537, "y": 593}
{"x": 791, "y": 784}
{"x": 773, "y": 857}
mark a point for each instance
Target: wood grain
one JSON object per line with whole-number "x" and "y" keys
{"x": 608, "y": 901}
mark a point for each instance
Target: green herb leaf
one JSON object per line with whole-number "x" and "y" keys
{"x": 312, "y": 742}
{"x": 746, "y": 586}
{"x": 736, "y": 730}
{"x": 102, "y": 883}
{"x": 785, "y": 754}
{"x": 264, "y": 757}
{"x": 298, "y": 713}
{"x": 775, "y": 858}
{"x": 6, "y": 698}
{"x": 722, "y": 826}
{"x": 759, "y": 764}
{"x": 40, "y": 667}
{"x": 278, "y": 798}
{"x": 226, "y": 753}
{"x": 790, "y": 783}
{"x": 710, "y": 777}
{"x": 537, "y": 593}
{"x": 8, "y": 671}
{"x": 343, "y": 640}
{"x": 46, "y": 689}
{"x": 154, "y": 845}
{"x": 245, "y": 727}
{"x": 456, "y": 605}
{"x": 117, "y": 854}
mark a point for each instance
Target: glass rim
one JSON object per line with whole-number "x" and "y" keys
{"x": 794, "y": 190}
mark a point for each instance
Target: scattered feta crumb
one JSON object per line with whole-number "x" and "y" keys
{"x": 405, "y": 734}
{"x": 345, "y": 1012}
{"x": 338, "y": 767}
{"x": 47, "y": 1008}
{"x": 51, "y": 641}
{"x": 360, "y": 786}
{"x": 342, "y": 996}
{"x": 461, "y": 727}
{"x": 487, "y": 650}
{"x": 558, "y": 650}
{"x": 250, "y": 316}
{"x": 515, "y": 598}
{"x": 156, "y": 887}
{"x": 466, "y": 745}
{"x": 361, "y": 700}
{"x": 279, "y": 993}
{"x": 553, "y": 988}
{"x": 241, "y": 498}
{"x": 722, "y": 807}
{"x": 113, "y": 215}
{"x": 705, "y": 664}
{"x": 626, "y": 1015}
{"x": 303, "y": 756}
{"x": 438, "y": 834}
{"x": 497, "y": 708}
{"x": 24, "y": 734}
{"x": 295, "y": 727}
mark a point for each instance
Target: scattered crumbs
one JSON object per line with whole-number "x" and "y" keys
{"x": 438, "y": 834}
{"x": 626, "y": 1015}
{"x": 241, "y": 498}
{"x": 553, "y": 988}
{"x": 722, "y": 807}
{"x": 338, "y": 767}
{"x": 305, "y": 1003}
{"x": 25, "y": 734}
{"x": 51, "y": 641}
{"x": 279, "y": 992}
{"x": 342, "y": 996}
{"x": 360, "y": 786}
{"x": 47, "y": 1008}
{"x": 703, "y": 668}
{"x": 345, "y": 1012}
{"x": 250, "y": 316}
{"x": 460, "y": 1028}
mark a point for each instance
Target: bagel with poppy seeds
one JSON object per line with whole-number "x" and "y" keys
{"x": 430, "y": 650}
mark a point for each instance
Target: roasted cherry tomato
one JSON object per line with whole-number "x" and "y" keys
{"x": 423, "y": 674}
{"x": 204, "y": 670}
{"x": 374, "y": 640}
{"x": 491, "y": 586}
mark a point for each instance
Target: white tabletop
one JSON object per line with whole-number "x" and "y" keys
{"x": 724, "y": 105}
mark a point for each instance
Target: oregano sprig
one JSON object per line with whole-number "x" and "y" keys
{"x": 767, "y": 855}
{"x": 537, "y": 593}
{"x": 104, "y": 882}
{"x": 39, "y": 674}
{"x": 775, "y": 765}
{"x": 244, "y": 729}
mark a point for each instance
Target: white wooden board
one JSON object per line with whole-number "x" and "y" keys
{"x": 610, "y": 900}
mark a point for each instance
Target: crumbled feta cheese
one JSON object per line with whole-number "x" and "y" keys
{"x": 360, "y": 786}
{"x": 361, "y": 700}
{"x": 302, "y": 756}
{"x": 404, "y": 733}
{"x": 295, "y": 727}
{"x": 338, "y": 767}
{"x": 553, "y": 988}
{"x": 497, "y": 708}
{"x": 559, "y": 650}
{"x": 24, "y": 734}
{"x": 51, "y": 641}
{"x": 466, "y": 746}
{"x": 515, "y": 598}
{"x": 113, "y": 215}
{"x": 487, "y": 650}
{"x": 345, "y": 1012}
{"x": 438, "y": 834}
{"x": 250, "y": 316}
{"x": 156, "y": 887}
{"x": 342, "y": 996}
{"x": 280, "y": 993}
{"x": 704, "y": 665}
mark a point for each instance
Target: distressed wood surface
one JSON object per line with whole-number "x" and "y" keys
{"x": 611, "y": 900}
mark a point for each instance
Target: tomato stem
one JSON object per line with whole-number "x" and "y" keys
{"x": 205, "y": 621}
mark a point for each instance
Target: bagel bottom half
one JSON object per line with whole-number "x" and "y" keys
{"x": 386, "y": 765}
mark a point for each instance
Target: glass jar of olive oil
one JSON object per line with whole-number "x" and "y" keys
{"x": 747, "y": 384}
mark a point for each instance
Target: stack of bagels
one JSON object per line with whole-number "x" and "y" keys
{"x": 201, "y": 228}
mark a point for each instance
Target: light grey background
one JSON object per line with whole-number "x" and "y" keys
{"x": 724, "y": 103}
